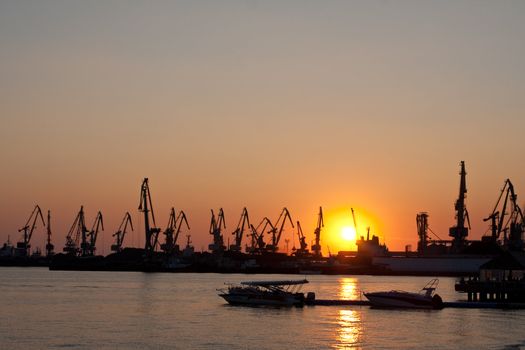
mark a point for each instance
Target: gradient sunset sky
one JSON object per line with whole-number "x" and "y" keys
{"x": 263, "y": 104}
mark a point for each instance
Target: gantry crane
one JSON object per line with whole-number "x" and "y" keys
{"x": 258, "y": 244}
{"x": 49, "y": 246}
{"x": 316, "y": 248}
{"x": 28, "y": 229}
{"x": 77, "y": 230}
{"x": 173, "y": 230}
{"x": 216, "y": 226}
{"x": 92, "y": 236}
{"x": 302, "y": 251}
{"x": 513, "y": 227}
{"x": 168, "y": 245}
{"x": 146, "y": 207}
{"x": 121, "y": 233}
{"x": 244, "y": 222}
{"x": 276, "y": 234}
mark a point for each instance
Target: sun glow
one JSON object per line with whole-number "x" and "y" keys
{"x": 339, "y": 233}
{"x": 348, "y": 233}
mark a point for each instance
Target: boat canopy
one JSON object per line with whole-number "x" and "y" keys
{"x": 274, "y": 283}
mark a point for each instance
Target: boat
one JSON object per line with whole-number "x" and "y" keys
{"x": 424, "y": 299}
{"x": 266, "y": 293}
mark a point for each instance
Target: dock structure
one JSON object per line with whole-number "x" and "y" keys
{"x": 498, "y": 291}
{"x": 447, "y": 304}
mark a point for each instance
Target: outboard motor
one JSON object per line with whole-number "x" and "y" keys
{"x": 310, "y": 297}
{"x": 437, "y": 302}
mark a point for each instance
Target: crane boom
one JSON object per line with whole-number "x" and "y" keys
{"x": 168, "y": 245}
{"x": 302, "y": 251}
{"x": 216, "y": 226}
{"x": 121, "y": 232}
{"x": 173, "y": 230}
{"x": 276, "y": 235}
{"x": 258, "y": 244}
{"x": 77, "y": 230}
{"x": 355, "y": 222}
{"x": 244, "y": 222}
{"x": 514, "y": 220}
{"x": 98, "y": 224}
{"x": 181, "y": 217}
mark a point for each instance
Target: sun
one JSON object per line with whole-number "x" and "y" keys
{"x": 348, "y": 233}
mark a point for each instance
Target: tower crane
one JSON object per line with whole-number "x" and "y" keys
{"x": 28, "y": 229}
{"x": 276, "y": 234}
{"x": 146, "y": 206}
{"x": 316, "y": 248}
{"x": 49, "y": 246}
{"x": 216, "y": 226}
{"x": 98, "y": 224}
{"x": 121, "y": 233}
{"x": 73, "y": 236}
{"x": 244, "y": 222}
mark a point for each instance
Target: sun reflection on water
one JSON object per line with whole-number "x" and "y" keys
{"x": 349, "y": 321}
{"x": 348, "y": 289}
{"x": 349, "y": 331}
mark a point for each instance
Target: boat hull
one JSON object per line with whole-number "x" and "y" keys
{"x": 402, "y": 300}
{"x": 266, "y": 300}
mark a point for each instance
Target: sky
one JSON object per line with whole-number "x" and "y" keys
{"x": 368, "y": 105}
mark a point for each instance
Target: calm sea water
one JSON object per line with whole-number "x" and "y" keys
{"x": 42, "y": 309}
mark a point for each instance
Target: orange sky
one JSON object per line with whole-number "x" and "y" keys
{"x": 365, "y": 104}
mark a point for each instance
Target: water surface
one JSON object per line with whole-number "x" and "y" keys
{"x": 128, "y": 310}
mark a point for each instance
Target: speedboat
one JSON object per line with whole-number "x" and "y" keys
{"x": 266, "y": 293}
{"x": 425, "y": 299}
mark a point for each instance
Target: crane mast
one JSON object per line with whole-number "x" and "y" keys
{"x": 146, "y": 207}
{"x": 28, "y": 229}
{"x": 459, "y": 232}
{"x": 244, "y": 222}
{"x": 316, "y": 248}
{"x": 216, "y": 226}
{"x": 422, "y": 231}
{"x": 49, "y": 246}
{"x": 121, "y": 233}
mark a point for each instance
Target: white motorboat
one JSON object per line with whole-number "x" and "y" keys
{"x": 425, "y": 299}
{"x": 269, "y": 293}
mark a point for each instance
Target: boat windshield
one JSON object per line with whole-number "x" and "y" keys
{"x": 430, "y": 287}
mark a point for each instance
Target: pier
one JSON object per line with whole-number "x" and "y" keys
{"x": 446, "y": 304}
{"x": 492, "y": 291}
